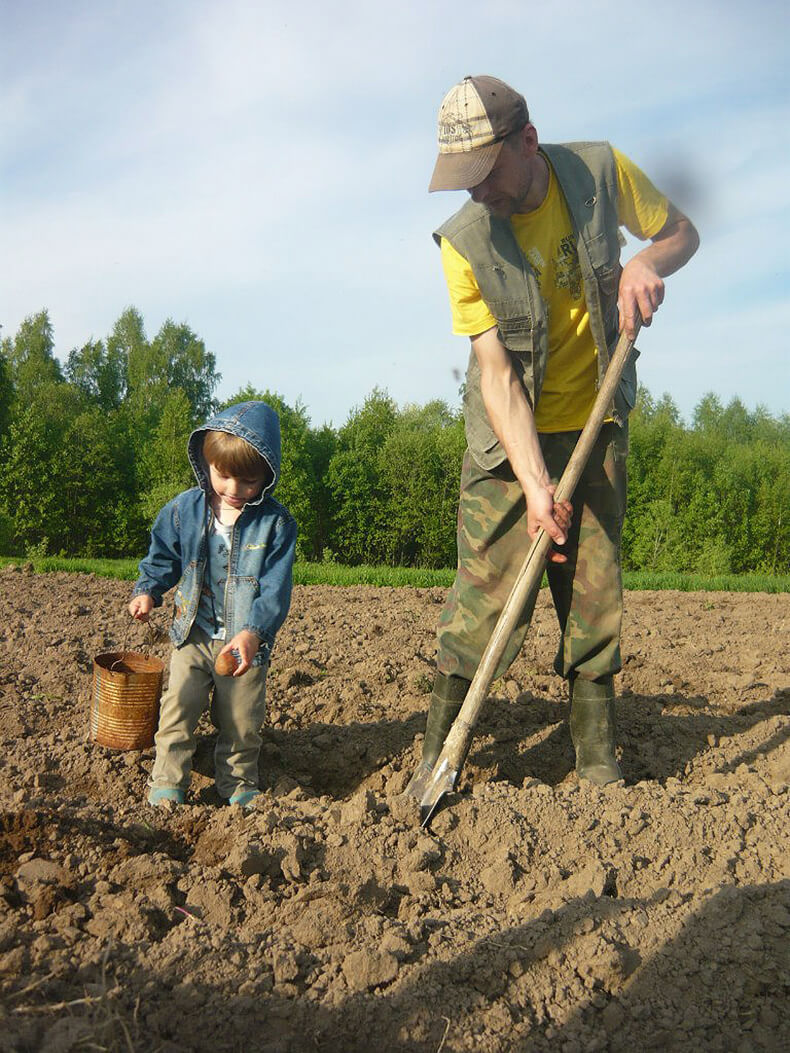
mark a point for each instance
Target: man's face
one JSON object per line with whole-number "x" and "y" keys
{"x": 507, "y": 184}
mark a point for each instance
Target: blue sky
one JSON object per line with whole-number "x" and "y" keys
{"x": 259, "y": 171}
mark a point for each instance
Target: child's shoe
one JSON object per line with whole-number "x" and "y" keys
{"x": 245, "y": 798}
{"x": 160, "y": 795}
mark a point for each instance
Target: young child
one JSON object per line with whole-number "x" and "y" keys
{"x": 228, "y": 546}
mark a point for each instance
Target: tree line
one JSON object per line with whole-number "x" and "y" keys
{"x": 93, "y": 447}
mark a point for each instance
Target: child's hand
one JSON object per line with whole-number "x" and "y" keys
{"x": 141, "y": 606}
{"x": 247, "y": 644}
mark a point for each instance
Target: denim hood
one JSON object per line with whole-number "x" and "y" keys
{"x": 256, "y": 423}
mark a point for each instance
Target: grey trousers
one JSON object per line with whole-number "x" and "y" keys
{"x": 238, "y": 709}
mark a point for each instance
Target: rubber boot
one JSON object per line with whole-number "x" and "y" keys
{"x": 448, "y": 695}
{"x": 593, "y": 730}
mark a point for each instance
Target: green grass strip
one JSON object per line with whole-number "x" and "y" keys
{"x": 304, "y": 573}
{"x": 119, "y": 569}
{"x": 640, "y": 580}
{"x": 415, "y": 577}
{"x": 395, "y": 577}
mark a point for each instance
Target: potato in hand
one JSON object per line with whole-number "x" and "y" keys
{"x": 226, "y": 664}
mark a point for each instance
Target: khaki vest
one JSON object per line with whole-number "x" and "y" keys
{"x": 587, "y": 176}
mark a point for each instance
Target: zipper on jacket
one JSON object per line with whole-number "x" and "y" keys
{"x": 227, "y": 580}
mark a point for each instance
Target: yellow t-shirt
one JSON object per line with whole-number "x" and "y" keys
{"x": 546, "y": 238}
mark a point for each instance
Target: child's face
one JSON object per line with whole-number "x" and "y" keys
{"x": 235, "y": 491}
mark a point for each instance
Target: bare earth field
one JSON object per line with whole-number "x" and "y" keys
{"x": 535, "y": 914}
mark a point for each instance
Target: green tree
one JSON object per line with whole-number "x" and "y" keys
{"x": 34, "y": 455}
{"x": 322, "y": 443}
{"x": 155, "y": 418}
{"x": 712, "y": 497}
{"x": 6, "y": 394}
{"x": 163, "y": 466}
{"x": 6, "y": 399}
{"x": 30, "y": 356}
{"x": 180, "y": 358}
{"x": 361, "y": 530}
{"x": 707, "y": 415}
{"x": 772, "y": 510}
{"x": 92, "y": 484}
{"x": 175, "y": 358}
{"x": 99, "y": 372}
{"x": 420, "y": 465}
{"x": 650, "y": 535}
{"x": 127, "y": 343}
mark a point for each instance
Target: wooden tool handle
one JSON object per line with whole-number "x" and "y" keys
{"x": 457, "y": 742}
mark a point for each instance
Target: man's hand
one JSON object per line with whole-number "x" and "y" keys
{"x": 141, "y": 606}
{"x": 642, "y": 281}
{"x": 641, "y": 294}
{"x": 544, "y": 513}
{"x": 246, "y": 644}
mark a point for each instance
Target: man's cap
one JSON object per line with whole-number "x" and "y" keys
{"x": 474, "y": 118}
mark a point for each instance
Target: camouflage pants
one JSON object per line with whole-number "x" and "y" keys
{"x": 492, "y": 545}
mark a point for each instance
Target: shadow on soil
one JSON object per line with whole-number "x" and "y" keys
{"x": 659, "y": 735}
{"x": 724, "y": 975}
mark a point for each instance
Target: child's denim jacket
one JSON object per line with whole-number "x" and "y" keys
{"x": 258, "y": 591}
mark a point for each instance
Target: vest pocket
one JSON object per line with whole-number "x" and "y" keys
{"x": 486, "y": 449}
{"x": 608, "y": 280}
{"x": 602, "y": 251}
{"x": 517, "y": 333}
{"x": 483, "y": 444}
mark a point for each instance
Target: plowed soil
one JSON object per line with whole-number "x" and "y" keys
{"x": 536, "y": 913}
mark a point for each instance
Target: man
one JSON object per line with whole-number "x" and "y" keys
{"x": 532, "y": 264}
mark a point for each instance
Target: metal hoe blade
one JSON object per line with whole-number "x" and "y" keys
{"x": 429, "y": 785}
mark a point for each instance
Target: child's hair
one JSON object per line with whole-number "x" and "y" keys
{"x": 234, "y": 456}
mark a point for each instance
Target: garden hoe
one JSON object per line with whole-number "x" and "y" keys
{"x": 428, "y": 785}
